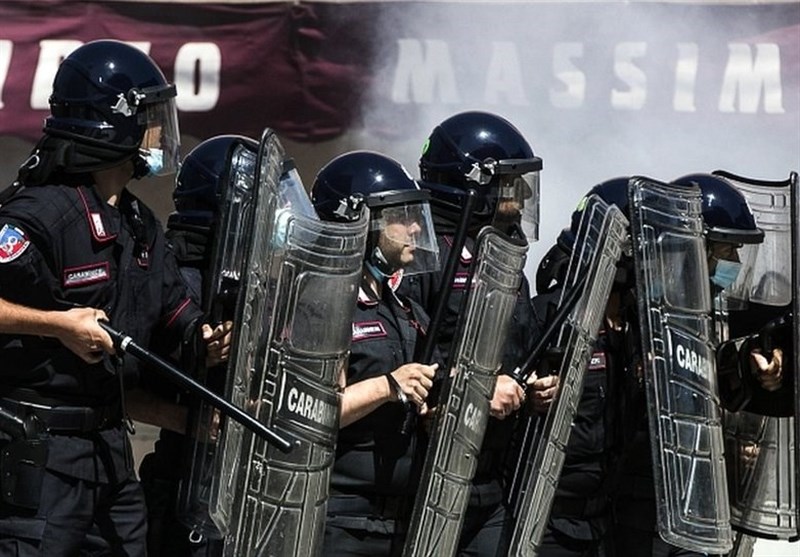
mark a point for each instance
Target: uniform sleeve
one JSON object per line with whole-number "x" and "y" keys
{"x": 25, "y": 276}
{"x": 181, "y": 313}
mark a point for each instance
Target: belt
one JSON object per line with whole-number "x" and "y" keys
{"x": 67, "y": 419}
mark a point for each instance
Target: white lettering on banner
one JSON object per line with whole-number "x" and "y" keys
{"x": 505, "y": 76}
{"x": 419, "y": 70}
{"x": 6, "y": 48}
{"x": 197, "y": 76}
{"x": 310, "y": 408}
{"x": 426, "y": 74}
{"x": 631, "y": 75}
{"x": 685, "y": 77}
{"x": 425, "y": 68}
{"x": 691, "y": 361}
{"x": 573, "y": 95}
{"x": 747, "y": 77}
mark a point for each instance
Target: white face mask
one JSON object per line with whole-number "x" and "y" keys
{"x": 154, "y": 158}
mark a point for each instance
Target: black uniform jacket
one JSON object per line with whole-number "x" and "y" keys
{"x": 373, "y": 457}
{"x": 63, "y": 247}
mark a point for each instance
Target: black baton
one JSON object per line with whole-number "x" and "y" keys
{"x": 126, "y": 344}
{"x": 445, "y": 288}
{"x": 522, "y": 372}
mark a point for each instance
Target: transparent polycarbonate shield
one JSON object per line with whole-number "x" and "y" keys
{"x": 743, "y": 546}
{"x": 597, "y": 249}
{"x": 253, "y": 306}
{"x": 277, "y": 502}
{"x": 761, "y": 451}
{"x": 795, "y": 362}
{"x": 761, "y": 474}
{"x": 680, "y": 373}
{"x": 280, "y": 500}
{"x": 243, "y": 212}
{"x": 460, "y": 423}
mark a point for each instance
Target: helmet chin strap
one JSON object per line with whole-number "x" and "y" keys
{"x": 378, "y": 266}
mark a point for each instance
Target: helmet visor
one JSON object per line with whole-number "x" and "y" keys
{"x": 738, "y": 261}
{"x": 518, "y": 203}
{"x": 407, "y": 239}
{"x": 162, "y": 139}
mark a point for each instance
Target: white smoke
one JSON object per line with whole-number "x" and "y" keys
{"x": 599, "y": 91}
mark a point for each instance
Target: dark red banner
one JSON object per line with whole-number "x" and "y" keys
{"x": 313, "y": 70}
{"x": 237, "y": 67}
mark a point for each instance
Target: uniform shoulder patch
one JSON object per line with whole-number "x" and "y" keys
{"x": 13, "y": 243}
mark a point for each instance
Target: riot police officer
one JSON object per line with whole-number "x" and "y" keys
{"x": 579, "y": 517}
{"x": 370, "y": 483}
{"x": 486, "y": 153}
{"x": 199, "y": 186}
{"x": 728, "y": 226}
{"x": 78, "y": 247}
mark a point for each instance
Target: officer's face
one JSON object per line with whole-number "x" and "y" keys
{"x": 513, "y": 191}
{"x": 722, "y": 251}
{"x": 397, "y": 242}
{"x": 507, "y": 212}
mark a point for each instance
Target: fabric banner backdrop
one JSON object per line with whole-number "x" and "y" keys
{"x": 312, "y": 70}
{"x": 601, "y": 89}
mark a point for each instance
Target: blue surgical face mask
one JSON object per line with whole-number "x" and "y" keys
{"x": 725, "y": 273}
{"x": 155, "y": 161}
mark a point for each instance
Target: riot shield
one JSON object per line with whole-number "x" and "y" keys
{"x": 460, "y": 422}
{"x": 743, "y": 546}
{"x": 680, "y": 374}
{"x": 597, "y": 249}
{"x": 761, "y": 450}
{"x": 277, "y": 501}
{"x": 243, "y": 212}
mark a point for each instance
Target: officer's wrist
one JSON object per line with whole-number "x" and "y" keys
{"x": 395, "y": 388}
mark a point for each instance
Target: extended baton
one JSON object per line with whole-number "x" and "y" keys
{"x": 445, "y": 288}
{"x": 522, "y": 372}
{"x": 126, "y": 344}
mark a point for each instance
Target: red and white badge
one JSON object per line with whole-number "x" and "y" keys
{"x": 13, "y": 243}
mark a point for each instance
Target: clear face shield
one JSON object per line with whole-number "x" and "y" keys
{"x": 730, "y": 267}
{"x": 160, "y": 146}
{"x": 771, "y": 278}
{"x": 407, "y": 240}
{"x": 518, "y": 203}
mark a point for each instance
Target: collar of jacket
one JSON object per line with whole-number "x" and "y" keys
{"x": 97, "y": 212}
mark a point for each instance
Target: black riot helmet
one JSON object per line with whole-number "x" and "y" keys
{"x": 486, "y": 152}
{"x": 114, "y": 104}
{"x": 399, "y": 210}
{"x": 726, "y": 215}
{"x": 552, "y": 268}
{"x": 205, "y": 173}
{"x": 732, "y": 236}
{"x": 613, "y": 192}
